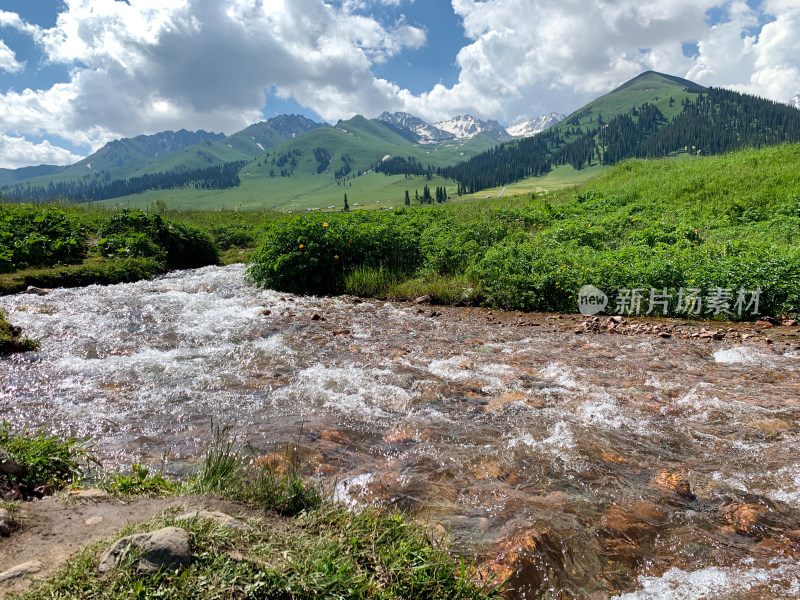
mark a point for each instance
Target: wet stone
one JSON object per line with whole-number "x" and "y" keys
{"x": 675, "y": 483}
{"x": 746, "y": 519}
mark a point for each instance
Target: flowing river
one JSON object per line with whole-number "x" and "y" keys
{"x": 589, "y": 466}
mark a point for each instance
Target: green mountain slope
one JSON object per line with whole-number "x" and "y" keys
{"x": 12, "y": 176}
{"x": 315, "y": 170}
{"x": 161, "y": 153}
{"x": 651, "y": 116}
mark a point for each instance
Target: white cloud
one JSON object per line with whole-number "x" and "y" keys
{"x": 156, "y": 64}
{"x": 18, "y": 152}
{"x": 533, "y": 56}
{"x": 147, "y": 65}
{"x": 8, "y": 60}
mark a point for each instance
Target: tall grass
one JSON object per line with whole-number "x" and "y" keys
{"x": 227, "y": 469}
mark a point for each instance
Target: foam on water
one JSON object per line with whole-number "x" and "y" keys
{"x": 370, "y": 393}
{"x": 744, "y": 355}
{"x": 560, "y": 375}
{"x": 351, "y": 490}
{"x": 716, "y": 583}
{"x": 493, "y": 378}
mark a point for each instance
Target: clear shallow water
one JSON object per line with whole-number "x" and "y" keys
{"x": 591, "y": 466}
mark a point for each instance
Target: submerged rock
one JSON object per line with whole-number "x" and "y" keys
{"x": 746, "y": 519}
{"x": 675, "y": 483}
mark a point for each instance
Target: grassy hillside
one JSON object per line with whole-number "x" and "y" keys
{"x": 286, "y": 194}
{"x": 360, "y": 144}
{"x": 282, "y": 167}
{"x": 712, "y": 226}
{"x": 143, "y": 155}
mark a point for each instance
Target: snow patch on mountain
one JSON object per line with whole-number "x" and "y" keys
{"x": 534, "y": 126}
{"x": 467, "y": 126}
{"x": 425, "y": 132}
{"x": 463, "y": 127}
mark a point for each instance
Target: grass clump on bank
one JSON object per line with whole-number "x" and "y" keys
{"x": 11, "y": 338}
{"x": 719, "y": 228}
{"x": 38, "y": 458}
{"x": 326, "y": 553}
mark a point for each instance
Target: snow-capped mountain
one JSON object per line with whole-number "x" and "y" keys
{"x": 463, "y": 127}
{"x": 425, "y": 132}
{"x": 795, "y": 101}
{"x": 534, "y": 126}
{"x": 468, "y": 126}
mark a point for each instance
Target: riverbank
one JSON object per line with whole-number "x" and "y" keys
{"x": 240, "y": 526}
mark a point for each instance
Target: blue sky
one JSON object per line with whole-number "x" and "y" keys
{"x": 75, "y": 74}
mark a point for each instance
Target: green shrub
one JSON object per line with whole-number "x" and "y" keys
{"x": 135, "y": 234}
{"x": 238, "y": 235}
{"x": 311, "y": 254}
{"x": 38, "y": 236}
{"x": 448, "y": 248}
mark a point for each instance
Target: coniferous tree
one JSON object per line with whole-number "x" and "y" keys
{"x": 407, "y": 199}
{"x": 346, "y": 205}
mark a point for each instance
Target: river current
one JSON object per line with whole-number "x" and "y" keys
{"x": 586, "y": 466}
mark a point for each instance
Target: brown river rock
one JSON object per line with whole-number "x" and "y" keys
{"x": 675, "y": 483}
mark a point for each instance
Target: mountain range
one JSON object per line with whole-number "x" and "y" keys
{"x": 291, "y": 162}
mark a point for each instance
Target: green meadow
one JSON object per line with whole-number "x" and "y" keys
{"x": 720, "y": 228}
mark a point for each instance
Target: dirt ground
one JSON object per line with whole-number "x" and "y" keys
{"x": 53, "y": 529}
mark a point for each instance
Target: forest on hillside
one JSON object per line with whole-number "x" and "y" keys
{"x": 717, "y": 121}
{"x": 216, "y": 177}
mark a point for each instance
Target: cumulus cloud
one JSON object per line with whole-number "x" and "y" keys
{"x": 146, "y": 65}
{"x": 149, "y": 65}
{"x": 8, "y": 60}
{"x": 529, "y": 57}
{"x": 18, "y": 152}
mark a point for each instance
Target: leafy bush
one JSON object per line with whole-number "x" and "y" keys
{"x": 448, "y": 248}
{"x": 135, "y": 234}
{"x": 311, "y": 254}
{"x": 237, "y": 235}
{"x": 38, "y": 236}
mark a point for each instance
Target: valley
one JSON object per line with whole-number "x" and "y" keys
{"x": 429, "y": 359}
